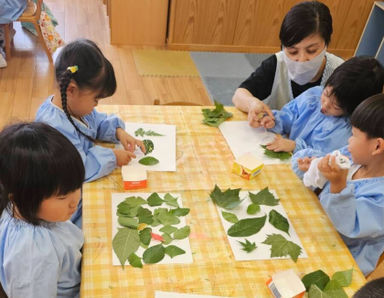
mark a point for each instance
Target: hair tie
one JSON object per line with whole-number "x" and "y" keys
{"x": 73, "y": 69}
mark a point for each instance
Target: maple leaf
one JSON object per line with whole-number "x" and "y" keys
{"x": 228, "y": 199}
{"x": 264, "y": 197}
{"x": 281, "y": 247}
{"x": 248, "y": 246}
{"x": 273, "y": 154}
{"x": 216, "y": 116}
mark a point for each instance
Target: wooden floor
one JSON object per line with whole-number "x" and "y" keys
{"x": 29, "y": 78}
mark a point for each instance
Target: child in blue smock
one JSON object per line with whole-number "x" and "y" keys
{"x": 354, "y": 198}
{"x": 319, "y": 118}
{"x": 41, "y": 174}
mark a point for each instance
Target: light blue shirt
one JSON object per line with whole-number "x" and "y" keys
{"x": 11, "y": 10}
{"x": 39, "y": 261}
{"x": 302, "y": 121}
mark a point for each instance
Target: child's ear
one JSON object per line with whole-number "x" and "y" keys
{"x": 72, "y": 89}
{"x": 379, "y": 146}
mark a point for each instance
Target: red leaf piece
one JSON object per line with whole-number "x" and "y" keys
{"x": 157, "y": 237}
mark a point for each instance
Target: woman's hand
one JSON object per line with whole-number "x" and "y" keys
{"x": 281, "y": 144}
{"x": 257, "y": 111}
{"x": 333, "y": 173}
{"x": 123, "y": 157}
{"x": 304, "y": 163}
{"x": 129, "y": 143}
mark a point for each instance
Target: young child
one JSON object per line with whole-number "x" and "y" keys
{"x": 41, "y": 174}
{"x": 85, "y": 76}
{"x": 354, "y": 198}
{"x": 319, "y": 118}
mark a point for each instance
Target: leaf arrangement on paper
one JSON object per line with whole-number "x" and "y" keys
{"x": 318, "y": 284}
{"x": 215, "y": 116}
{"x": 259, "y": 216}
{"x": 279, "y": 155}
{"x": 140, "y": 132}
{"x": 137, "y": 229}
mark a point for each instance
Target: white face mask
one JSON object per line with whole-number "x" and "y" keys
{"x": 303, "y": 72}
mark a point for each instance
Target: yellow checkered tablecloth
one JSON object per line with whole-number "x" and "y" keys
{"x": 203, "y": 160}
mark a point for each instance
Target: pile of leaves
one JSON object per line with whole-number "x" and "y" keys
{"x": 230, "y": 199}
{"x": 279, "y": 155}
{"x": 318, "y": 284}
{"x": 216, "y": 116}
{"x": 137, "y": 222}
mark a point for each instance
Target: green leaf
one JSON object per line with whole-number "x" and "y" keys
{"x": 182, "y": 233}
{"x": 145, "y": 236}
{"x": 134, "y": 201}
{"x": 174, "y": 251}
{"x": 281, "y": 247}
{"x": 155, "y": 222}
{"x": 180, "y": 211}
{"x": 248, "y": 246}
{"x": 140, "y": 132}
{"x": 279, "y": 155}
{"x": 167, "y": 238}
{"x": 135, "y": 261}
{"x": 216, "y": 116}
{"x": 144, "y": 215}
{"x": 334, "y": 290}
{"x": 229, "y": 217}
{"x": 124, "y": 210}
{"x": 168, "y": 229}
{"x": 315, "y": 292}
{"x": 128, "y": 222}
{"x": 318, "y": 278}
{"x": 165, "y": 217}
{"x": 247, "y": 227}
{"x": 343, "y": 278}
{"x": 154, "y": 200}
{"x": 170, "y": 200}
{"x": 253, "y": 209}
{"x": 278, "y": 221}
{"x": 149, "y": 146}
{"x": 125, "y": 242}
{"x": 228, "y": 199}
{"x": 149, "y": 161}
{"x": 264, "y": 197}
{"x": 154, "y": 254}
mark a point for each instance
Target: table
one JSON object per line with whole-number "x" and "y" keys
{"x": 203, "y": 160}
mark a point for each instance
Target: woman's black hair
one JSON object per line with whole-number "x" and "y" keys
{"x": 355, "y": 80}
{"x": 372, "y": 289}
{"x": 36, "y": 162}
{"x": 304, "y": 19}
{"x": 94, "y": 72}
{"x": 369, "y": 116}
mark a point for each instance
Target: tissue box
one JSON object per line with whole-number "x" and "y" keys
{"x": 247, "y": 166}
{"x": 286, "y": 284}
{"x": 134, "y": 177}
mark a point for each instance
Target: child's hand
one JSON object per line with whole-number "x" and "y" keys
{"x": 123, "y": 157}
{"x": 129, "y": 143}
{"x": 256, "y": 112}
{"x": 281, "y": 144}
{"x": 334, "y": 174}
{"x": 267, "y": 122}
{"x": 304, "y": 163}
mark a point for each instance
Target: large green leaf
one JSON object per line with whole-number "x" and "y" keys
{"x": 149, "y": 161}
{"x": 180, "y": 211}
{"x": 145, "y": 236}
{"x": 165, "y": 217}
{"x": 264, "y": 197}
{"x": 315, "y": 292}
{"x": 248, "y": 246}
{"x": 134, "y": 201}
{"x": 216, "y": 116}
{"x": 125, "y": 242}
{"x": 279, "y": 155}
{"x": 135, "y": 261}
{"x": 182, "y": 233}
{"x": 278, "y": 221}
{"x": 228, "y": 199}
{"x": 230, "y": 217}
{"x": 154, "y": 200}
{"x": 281, "y": 247}
{"x": 174, "y": 251}
{"x": 247, "y": 227}
{"x": 318, "y": 278}
{"x": 343, "y": 278}
{"x": 154, "y": 254}
{"x": 148, "y": 144}
{"x": 170, "y": 200}
{"x": 128, "y": 222}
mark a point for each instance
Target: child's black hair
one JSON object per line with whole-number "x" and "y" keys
{"x": 36, "y": 162}
{"x": 372, "y": 289}
{"x": 304, "y": 19}
{"x": 355, "y": 80}
{"x": 94, "y": 72}
{"x": 369, "y": 116}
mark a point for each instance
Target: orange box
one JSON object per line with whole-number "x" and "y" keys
{"x": 134, "y": 177}
{"x": 247, "y": 166}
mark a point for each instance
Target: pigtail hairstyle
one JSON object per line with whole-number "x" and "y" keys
{"x": 93, "y": 72}
{"x": 36, "y": 162}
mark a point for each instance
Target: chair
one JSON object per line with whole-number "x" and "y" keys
{"x": 156, "y": 102}
{"x": 30, "y": 15}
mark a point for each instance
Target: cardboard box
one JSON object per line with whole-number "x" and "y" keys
{"x": 286, "y": 284}
{"x": 247, "y": 166}
{"x": 134, "y": 177}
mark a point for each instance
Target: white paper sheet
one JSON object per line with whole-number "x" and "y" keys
{"x": 242, "y": 138}
{"x": 164, "y": 146}
{"x": 161, "y": 294}
{"x": 186, "y": 258}
{"x": 263, "y": 251}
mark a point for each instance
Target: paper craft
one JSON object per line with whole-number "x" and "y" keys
{"x": 161, "y": 294}
{"x": 263, "y": 251}
{"x": 242, "y": 138}
{"x": 164, "y": 145}
{"x": 183, "y": 243}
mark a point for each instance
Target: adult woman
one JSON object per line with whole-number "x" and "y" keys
{"x": 303, "y": 62}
